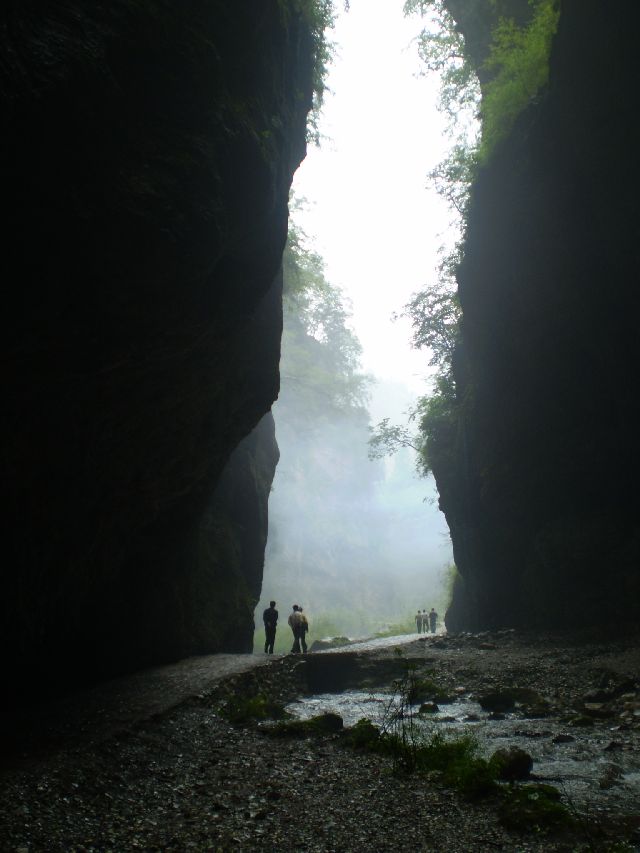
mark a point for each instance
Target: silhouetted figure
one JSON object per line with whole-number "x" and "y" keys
{"x": 270, "y": 619}
{"x": 433, "y": 620}
{"x": 304, "y": 627}
{"x": 295, "y": 620}
{"x": 419, "y": 622}
{"x": 425, "y": 621}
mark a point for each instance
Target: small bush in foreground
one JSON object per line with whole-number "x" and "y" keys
{"x": 533, "y": 808}
{"x": 243, "y": 709}
{"x": 455, "y": 760}
{"x": 324, "y": 724}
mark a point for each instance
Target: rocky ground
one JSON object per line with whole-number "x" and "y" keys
{"x": 179, "y": 775}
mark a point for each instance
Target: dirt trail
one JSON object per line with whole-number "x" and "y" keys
{"x": 94, "y": 714}
{"x": 149, "y": 762}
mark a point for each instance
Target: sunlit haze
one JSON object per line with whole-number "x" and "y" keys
{"x": 363, "y": 544}
{"x": 373, "y": 218}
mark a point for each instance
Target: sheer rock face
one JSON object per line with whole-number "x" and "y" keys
{"x": 543, "y": 503}
{"x": 147, "y": 153}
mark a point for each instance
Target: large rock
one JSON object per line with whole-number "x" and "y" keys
{"x": 541, "y": 497}
{"x": 147, "y": 154}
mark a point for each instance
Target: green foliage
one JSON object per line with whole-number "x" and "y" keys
{"x": 437, "y": 417}
{"x": 242, "y": 710}
{"x": 435, "y": 315}
{"x": 363, "y": 736}
{"x": 454, "y": 761}
{"x": 322, "y": 725}
{"x": 319, "y": 15}
{"x": 397, "y": 629}
{"x": 453, "y": 176}
{"x": 424, "y": 689}
{"x": 386, "y": 439}
{"x": 320, "y": 353}
{"x": 452, "y": 578}
{"x": 442, "y": 49}
{"x": 519, "y": 63}
{"x": 533, "y": 808}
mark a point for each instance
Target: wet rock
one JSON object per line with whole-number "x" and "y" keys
{"x": 613, "y": 745}
{"x": 597, "y": 696}
{"x": 487, "y": 646}
{"x": 563, "y": 738}
{"x": 428, "y": 708}
{"x": 512, "y": 763}
{"x": 324, "y": 724}
{"x": 500, "y": 701}
{"x": 495, "y": 715}
{"x": 581, "y": 721}
{"x": 610, "y": 777}
{"x": 597, "y": 710}
{"x": 333, "y": 643}
{"x": 530, "y": 733}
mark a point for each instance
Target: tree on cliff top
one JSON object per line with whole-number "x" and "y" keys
{"x": 466, "y": 43}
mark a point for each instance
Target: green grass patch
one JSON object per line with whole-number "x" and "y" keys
{"x": 242, "y": 709}
{"x": 534, "y": 808}
{"x": 455, "y": 760}
{"x": 423, "y": 690}
{"x": 324, "y": 724}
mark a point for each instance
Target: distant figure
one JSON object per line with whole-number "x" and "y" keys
{"x": 433, "y": 620}
{"x": 425, "y": 621}
{"x": 304, "y": 627}
{"x": 270, "y": 619}
{"x": 295, "y": 620}
{"x": 419, "y": 622}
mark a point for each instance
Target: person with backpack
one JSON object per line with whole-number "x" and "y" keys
{"x": 270, "y": 619}
{"x": 295, "y": 621}
{"x": 304, "y": 627}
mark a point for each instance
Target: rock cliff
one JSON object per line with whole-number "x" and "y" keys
{"x": 146, "y": 158}
{"x": 542, "y": 496}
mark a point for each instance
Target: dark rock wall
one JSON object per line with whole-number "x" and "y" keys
{"x": 542, "y": 498}
{"x": 146, "y": 157}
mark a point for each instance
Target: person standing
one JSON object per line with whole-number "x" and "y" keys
{"x": 425, "y": 622}
{"x": 419, "y": 622}
{"x": 294, "y": 623}
{"x": 433, "y": 620}
{"x": 270, "y": 619}
{"x": 304, "y": 627}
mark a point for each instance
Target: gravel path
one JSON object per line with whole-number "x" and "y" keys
{"x": 148, "y": 763}
{"x": 97, "y": 713}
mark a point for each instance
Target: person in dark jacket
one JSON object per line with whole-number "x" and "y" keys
{"x": 433, "y": 620}
{"x": 270, "y": 619}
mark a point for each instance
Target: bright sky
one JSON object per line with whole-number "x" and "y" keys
{"x": 374, "y": 221}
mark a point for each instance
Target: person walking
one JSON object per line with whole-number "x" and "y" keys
{"x": 433, "y": 620}
{"x": 304, "y": 627}
{"x": 425, "y": 622}
{"x": 270, "y": 619}
{"x": 419, "y": 622}
{"x": 294, "y": 623}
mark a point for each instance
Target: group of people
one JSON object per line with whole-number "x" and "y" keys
{"x": 426, "y": 622}
{"x": 298, "y": 623}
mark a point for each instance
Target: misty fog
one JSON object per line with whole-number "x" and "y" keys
{"x": 360, "y": 544}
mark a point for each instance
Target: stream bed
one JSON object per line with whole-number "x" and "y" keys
{"x": 596, "y": 768}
